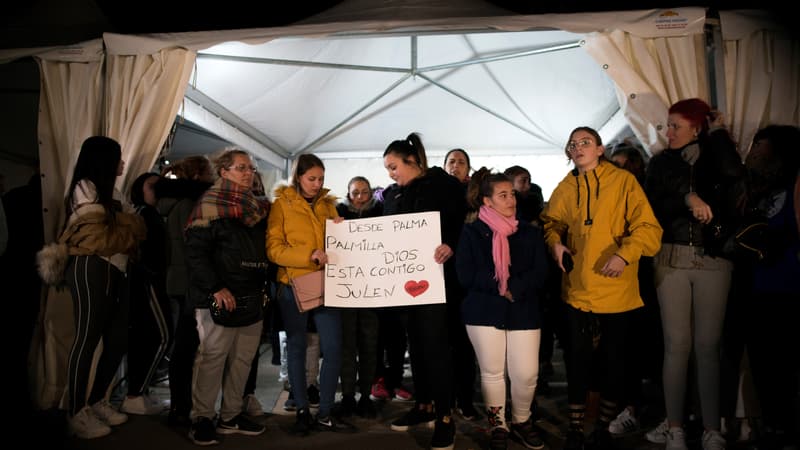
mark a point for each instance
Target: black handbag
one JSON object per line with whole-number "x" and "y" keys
{"x": 249, "y": 310}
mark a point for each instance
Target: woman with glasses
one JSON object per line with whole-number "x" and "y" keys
{"x": 227, "y": 267}
{"x": 597, "y": 225}
{"x": 359, "y": 325}
{"x": 690, "y": 185}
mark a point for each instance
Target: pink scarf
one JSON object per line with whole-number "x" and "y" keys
{"x": 501, "y": 254}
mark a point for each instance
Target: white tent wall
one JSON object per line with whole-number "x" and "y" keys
{"x": 762, "y": 72}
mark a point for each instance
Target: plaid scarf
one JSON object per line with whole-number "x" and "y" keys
{"x": 226, "y": 199}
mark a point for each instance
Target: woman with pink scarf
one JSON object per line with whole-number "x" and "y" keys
{"x": 501, "y": 263}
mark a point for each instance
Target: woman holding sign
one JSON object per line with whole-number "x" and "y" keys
{"x": 418, "y": 188}
{"x": 502, "y": 264}
{"x": 295, "y": 242}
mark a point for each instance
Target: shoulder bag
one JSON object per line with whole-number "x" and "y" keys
{"x": 309, "y": 290}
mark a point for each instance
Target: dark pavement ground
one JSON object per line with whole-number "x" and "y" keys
{"x": 153, "y": 433}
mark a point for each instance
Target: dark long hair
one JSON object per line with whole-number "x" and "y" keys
{"x": 97, "y": 162}
{"x": 410, "y": 150}
{"x": 304, "y": 163}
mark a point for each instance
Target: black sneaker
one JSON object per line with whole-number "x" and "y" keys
{"x": 444, "y": 434}
{"x": 347, "y": 406}
{"x": 414, "y": 417}
{"x": 366, "y": 408}
{"x": 303, "y": 423}
{"x": 498, "y": 439}
{"x": 468, "y": 412}
{"x": 525, "y": 434}
{"x": 202, "y": 432}
{"x": 178, "y": 419}
{"x": 290, "y": 404}
{"x": 240, "y": 425}
{"x": 601, "y": 439}
{"x": 313, "y": 396}
{"x": 574, "y": 440}
{"x": 329, "y": 423}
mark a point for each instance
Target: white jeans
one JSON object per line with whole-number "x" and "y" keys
{"x": 519, "y": 351}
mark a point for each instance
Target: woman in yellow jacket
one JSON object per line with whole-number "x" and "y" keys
{"x": 598, "y": 217}
{"x": 295, "y": 243}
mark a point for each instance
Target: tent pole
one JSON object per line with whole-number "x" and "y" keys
{"x": 232, "y": 119}
{"x": 351, "y": 116}
{"x": 293, "y": 62}
{"x": 512, "y": 55}
{"x": 478, "y": 105}
{"x": 715, "y": 61}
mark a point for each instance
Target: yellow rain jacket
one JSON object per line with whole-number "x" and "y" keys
{"x": 596, "y": 215}
{"x": 294, "y": 231}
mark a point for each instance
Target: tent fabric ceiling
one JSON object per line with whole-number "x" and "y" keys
{"x": 534, "y": 100}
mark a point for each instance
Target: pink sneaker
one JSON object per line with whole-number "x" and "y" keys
{"x": 403, "y": 395}
{"x": 378, "y": 391}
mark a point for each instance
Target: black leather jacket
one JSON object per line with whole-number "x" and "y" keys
{"x": 226, "y": 254}
{"x": 715, "y": 177}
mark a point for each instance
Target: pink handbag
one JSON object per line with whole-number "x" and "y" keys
{"x": 309, "y": 290}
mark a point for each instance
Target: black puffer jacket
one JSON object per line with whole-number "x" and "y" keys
{"x": 715, "y": 177}
{"x": 226, "y": 254}
{"x": 176, "y": 199}
{"x": 434, "y": 191}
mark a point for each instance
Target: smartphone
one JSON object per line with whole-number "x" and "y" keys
{"x": 567, "y": 262}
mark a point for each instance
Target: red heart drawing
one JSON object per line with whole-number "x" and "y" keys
{"x": 416, "y": 288}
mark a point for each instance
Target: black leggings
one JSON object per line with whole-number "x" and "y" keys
{"x": 611, "y": 330}
{"x": 100, "y": 305}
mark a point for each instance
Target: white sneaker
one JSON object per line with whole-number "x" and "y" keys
{"x": 108, "y": 414}
{"x": 676, "y": 439}
{"x": 658, "y": 435}
{"x": 86, "y": 425}
{"x": 713, "y": 440}
{"x": 143, "y": 405}
{"x": 251, "y": 406}
{"x": 624, "y": 423}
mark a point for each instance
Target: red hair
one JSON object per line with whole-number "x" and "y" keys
{"x": 694, "y": 110}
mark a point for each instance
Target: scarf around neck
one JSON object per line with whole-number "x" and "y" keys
{"x": 226, "y": 199}
{"x": 501, "y": 228}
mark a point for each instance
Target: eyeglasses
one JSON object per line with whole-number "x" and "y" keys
{"x": 360, "y": 193}
{"x": 573, "y": 145}
{"x": 243, "y": 168}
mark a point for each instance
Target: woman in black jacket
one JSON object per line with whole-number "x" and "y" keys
{"x": 418, "y": 188}
{"x": 690, "y": 186}
{"x": 227, "y": 262}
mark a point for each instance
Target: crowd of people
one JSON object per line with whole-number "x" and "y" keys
{"x": 693, "y": 242}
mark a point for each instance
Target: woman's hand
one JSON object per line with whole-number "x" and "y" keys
{"x": 442, "y": 254}
{"x": 558, "y": 251}
{"x": 319, "y": 257}
{"x": 225, "y": 299}
{"x": 700, "y": 209}
{"x": 339, "y": 219}
{"x": 613, "y": 267}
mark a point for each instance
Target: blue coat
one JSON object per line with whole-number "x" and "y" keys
{"x": 483, "y": 304}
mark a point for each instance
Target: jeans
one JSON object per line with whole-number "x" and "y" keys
{"x": 329, "y": 327}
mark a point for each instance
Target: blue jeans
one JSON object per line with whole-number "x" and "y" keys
{"x": 329, "y": 327}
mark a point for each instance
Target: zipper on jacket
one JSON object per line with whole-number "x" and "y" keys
{"x": 588, "y": 220}
{"x": 691, "y": 189}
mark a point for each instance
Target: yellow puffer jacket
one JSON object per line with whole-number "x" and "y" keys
{"x": 294, "y": 231}
{"x": 596, "y": 215}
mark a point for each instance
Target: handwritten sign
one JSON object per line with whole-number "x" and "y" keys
{"x": 383, "y": 261}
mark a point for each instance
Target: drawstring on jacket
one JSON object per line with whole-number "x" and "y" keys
{"x": 575, "y": 173}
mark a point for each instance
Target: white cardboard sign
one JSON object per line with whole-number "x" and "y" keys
{"x": 383, "y": 261}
